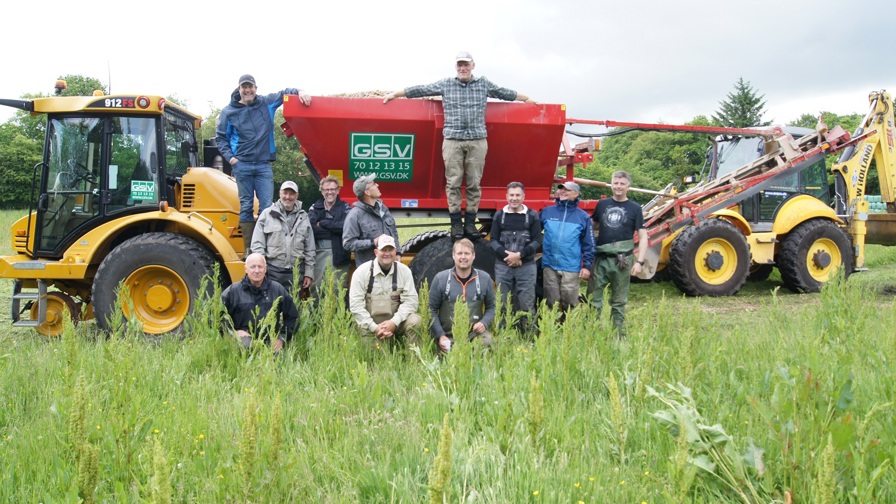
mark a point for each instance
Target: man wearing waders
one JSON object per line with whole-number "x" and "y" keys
{"x": 616, "y": 220}
{"x": 383, "y": 299}
{"x": 464, "y": 283}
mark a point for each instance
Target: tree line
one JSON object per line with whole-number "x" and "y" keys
{"x": 653, "y": 158}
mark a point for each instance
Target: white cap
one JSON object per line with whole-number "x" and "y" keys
{"x": 385, "y": 241}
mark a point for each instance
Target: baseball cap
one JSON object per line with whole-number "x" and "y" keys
{"x": 289, "y": 184}
{"x": 570, "y": 186}
{"x": 385, "y": 241}
{"x": 247, "y": 78}
{"x": 464, "y": 56}
{"x": 361, "y": 184}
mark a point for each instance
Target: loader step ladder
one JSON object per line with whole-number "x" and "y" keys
{"x": 38, "y": 295}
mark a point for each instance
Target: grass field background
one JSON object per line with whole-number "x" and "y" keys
{"x": 766, "y": 396}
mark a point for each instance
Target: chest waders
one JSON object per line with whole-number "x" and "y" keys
{"x": 446, "y": 311}
{"x": 382, "y": 307}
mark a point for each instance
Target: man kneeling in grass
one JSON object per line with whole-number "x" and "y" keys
{"x": 464, "y": 283}
{"x": 383, "y": 299}
{"x": 250, "y": 300}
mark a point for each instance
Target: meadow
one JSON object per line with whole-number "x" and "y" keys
{"x": 766, "y": 396}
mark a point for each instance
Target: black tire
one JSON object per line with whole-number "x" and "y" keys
{"x": 712, "y": 259}
{"x": 418, "y": 242}
{"x": 760, "y": 272}
{"x": 436, "y": 257}
{"x": 812, "y": 254}
{"x": 163, "y": 272}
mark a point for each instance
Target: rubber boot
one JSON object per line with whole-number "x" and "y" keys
{"x": 470, "y": 226}
{"x": 247, "y": 228}
{"x": 457, "y": 226}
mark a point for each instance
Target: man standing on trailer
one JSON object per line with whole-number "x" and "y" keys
{"x": 464, "y": 98}
{"x": 617, "y": 219}
{"x": 245, "y": 138}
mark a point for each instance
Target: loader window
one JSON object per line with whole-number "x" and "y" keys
{"x": 133, "y": 163}
{"x": 71, "y": 183}
{"x": 181, "y": 150}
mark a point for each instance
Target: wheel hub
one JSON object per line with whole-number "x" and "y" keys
{"x": 714, "y": 261}
{"x": 821, "y": 259}
{"x": 160, "y": 298}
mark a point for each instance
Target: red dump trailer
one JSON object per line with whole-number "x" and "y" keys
{"x": 401, "y": 142}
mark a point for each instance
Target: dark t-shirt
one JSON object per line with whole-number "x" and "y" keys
{"x": 617, "y": 221}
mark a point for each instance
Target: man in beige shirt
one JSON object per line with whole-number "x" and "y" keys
{"x": 383, "y": 299}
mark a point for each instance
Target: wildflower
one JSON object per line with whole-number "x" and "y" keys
{"x": 646, "y": 473}
{"x": 202, "y": 436}
{"x": 97, "y": 427}
{"x": 622, "y": 482}
{"x": 221, "y": 476}
{"x": 155, "y": 431}
{"x": 535, "y": 493}
{"x": 201, "y": 453}
{"x": 426, "y": 450}
{"x": 578, "y": 484}
{"x": 590, "y": 478}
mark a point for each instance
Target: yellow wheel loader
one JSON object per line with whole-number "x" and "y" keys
{"x": 118, "y": 200}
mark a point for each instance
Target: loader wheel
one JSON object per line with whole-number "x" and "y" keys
{"x": 812, "y": 254}
{"x": 163, "y": 273}
{"x": 436, "y": 257}
{"x": 711, "y": 259}
{"x": 59, "y": 307}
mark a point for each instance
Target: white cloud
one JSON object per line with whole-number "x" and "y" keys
{"x": 642, "y": 60}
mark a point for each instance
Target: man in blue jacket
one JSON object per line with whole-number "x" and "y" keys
{"x": 568, "y": 247}
{"x": 245, "y": 138}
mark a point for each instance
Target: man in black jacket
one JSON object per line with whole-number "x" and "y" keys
{"x": 515, "y": 238}
{"x": 250, "y": 300}
{"x": 327, "y": 216}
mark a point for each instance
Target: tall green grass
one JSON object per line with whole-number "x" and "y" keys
{"x": 762, "y": 397}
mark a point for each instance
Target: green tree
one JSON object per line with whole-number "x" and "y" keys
{"x": 743, "y": 108}
{"x": 18, "y": 155}
{"x": 654, "y": 158}
{"x": 290, "y": 165}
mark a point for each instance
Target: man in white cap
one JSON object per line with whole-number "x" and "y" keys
{"x": 283, "y": 236}
{"x": 568, "y": 247}
{"x": 383, "y": 299}
{"x": 245, "y": 139}
{"x": 368, "y": 219}
{"x": 464, "y": 147}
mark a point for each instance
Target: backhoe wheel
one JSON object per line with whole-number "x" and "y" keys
{"x": 712, "y": 259}
{"x": 812, "y": 254}
{"x": 59, "y": 307}
{"x": 163, "y": 273}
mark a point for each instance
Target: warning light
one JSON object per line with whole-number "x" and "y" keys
{"x": 161, "y": 104}
{"x": 143, "y": 102}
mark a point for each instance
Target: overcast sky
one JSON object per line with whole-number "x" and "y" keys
{"x": 634, "y": 60}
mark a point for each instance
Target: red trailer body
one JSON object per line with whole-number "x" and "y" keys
{"x": 402, "y": 142}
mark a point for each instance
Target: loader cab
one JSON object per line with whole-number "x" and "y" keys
{"x": 103, "y": 165}
{"x": 760, "y": 210}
